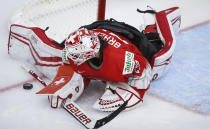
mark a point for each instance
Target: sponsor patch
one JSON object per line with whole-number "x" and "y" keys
{"x": 129, "y": 63}
{"x": 64, "y": 56}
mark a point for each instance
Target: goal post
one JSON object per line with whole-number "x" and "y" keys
{"x": 61, "y": 16}
{"x": 101, "y": 9}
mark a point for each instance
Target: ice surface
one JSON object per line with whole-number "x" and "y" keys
{"x": 186, "y": 83}
{"x": 189, "y": 71}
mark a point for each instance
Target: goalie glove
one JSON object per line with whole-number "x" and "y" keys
{"x": 73, "y": 88}
{"x": 115, "y": 95}
{"x": 66, "y": 84}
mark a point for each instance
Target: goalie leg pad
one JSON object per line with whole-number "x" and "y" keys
{"x": 31, "y": 46}
{"x": 167, "y": 24}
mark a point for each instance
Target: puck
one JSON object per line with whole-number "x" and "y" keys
{"x": 27, "y": 86}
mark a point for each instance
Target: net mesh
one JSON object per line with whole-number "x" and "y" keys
{"x": 61, "y": 16}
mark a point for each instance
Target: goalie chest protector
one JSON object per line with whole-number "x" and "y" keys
{"x": 121, "y": 59}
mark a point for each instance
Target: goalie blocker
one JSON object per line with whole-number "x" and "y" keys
{"x": 47, "y": 58}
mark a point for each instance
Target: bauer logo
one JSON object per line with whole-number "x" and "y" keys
{"x": 129, "y": 63}
{"x": 78, "y": 114}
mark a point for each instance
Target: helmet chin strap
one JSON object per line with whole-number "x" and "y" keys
{"x": 96, "y": 63}
{"x": 98, "y": 54}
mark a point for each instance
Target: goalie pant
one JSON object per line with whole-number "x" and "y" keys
{"x": 125, "y": 71}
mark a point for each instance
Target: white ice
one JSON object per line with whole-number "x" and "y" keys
{"x": 21, "y": 109}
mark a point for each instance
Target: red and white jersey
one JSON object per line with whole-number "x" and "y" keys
{"x": 122, "y": 62}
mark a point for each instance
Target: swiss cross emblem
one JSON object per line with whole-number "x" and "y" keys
{"x": 62, "y": 80}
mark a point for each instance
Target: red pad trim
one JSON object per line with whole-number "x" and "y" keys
{"x": 165, "y": 30}
{"x": 45, "y": 40}
{"x": 64, "y": 75}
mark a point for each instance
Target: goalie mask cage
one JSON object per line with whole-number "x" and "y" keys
{"x": 61, "y": 16}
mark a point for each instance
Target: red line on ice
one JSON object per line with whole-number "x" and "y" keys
{"x": 194, "y": 26}
{"x": 178, "y": 104}
{"x": 15, "y": 85}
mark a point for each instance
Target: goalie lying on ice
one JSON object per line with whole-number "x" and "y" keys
{"x": 125, "y": 59}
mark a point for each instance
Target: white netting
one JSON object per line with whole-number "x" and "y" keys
{"x": 62, "y": 16}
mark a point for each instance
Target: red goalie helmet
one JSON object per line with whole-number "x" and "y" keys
{"x": 82, "y": 45}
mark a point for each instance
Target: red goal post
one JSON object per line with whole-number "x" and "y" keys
{"x": 101, "y": 9}
{"x": 61, "y": 16}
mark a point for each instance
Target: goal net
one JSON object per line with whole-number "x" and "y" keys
{"x": 61, "y": 16}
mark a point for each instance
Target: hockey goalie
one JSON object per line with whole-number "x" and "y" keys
{"x": 125, "y": 59}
